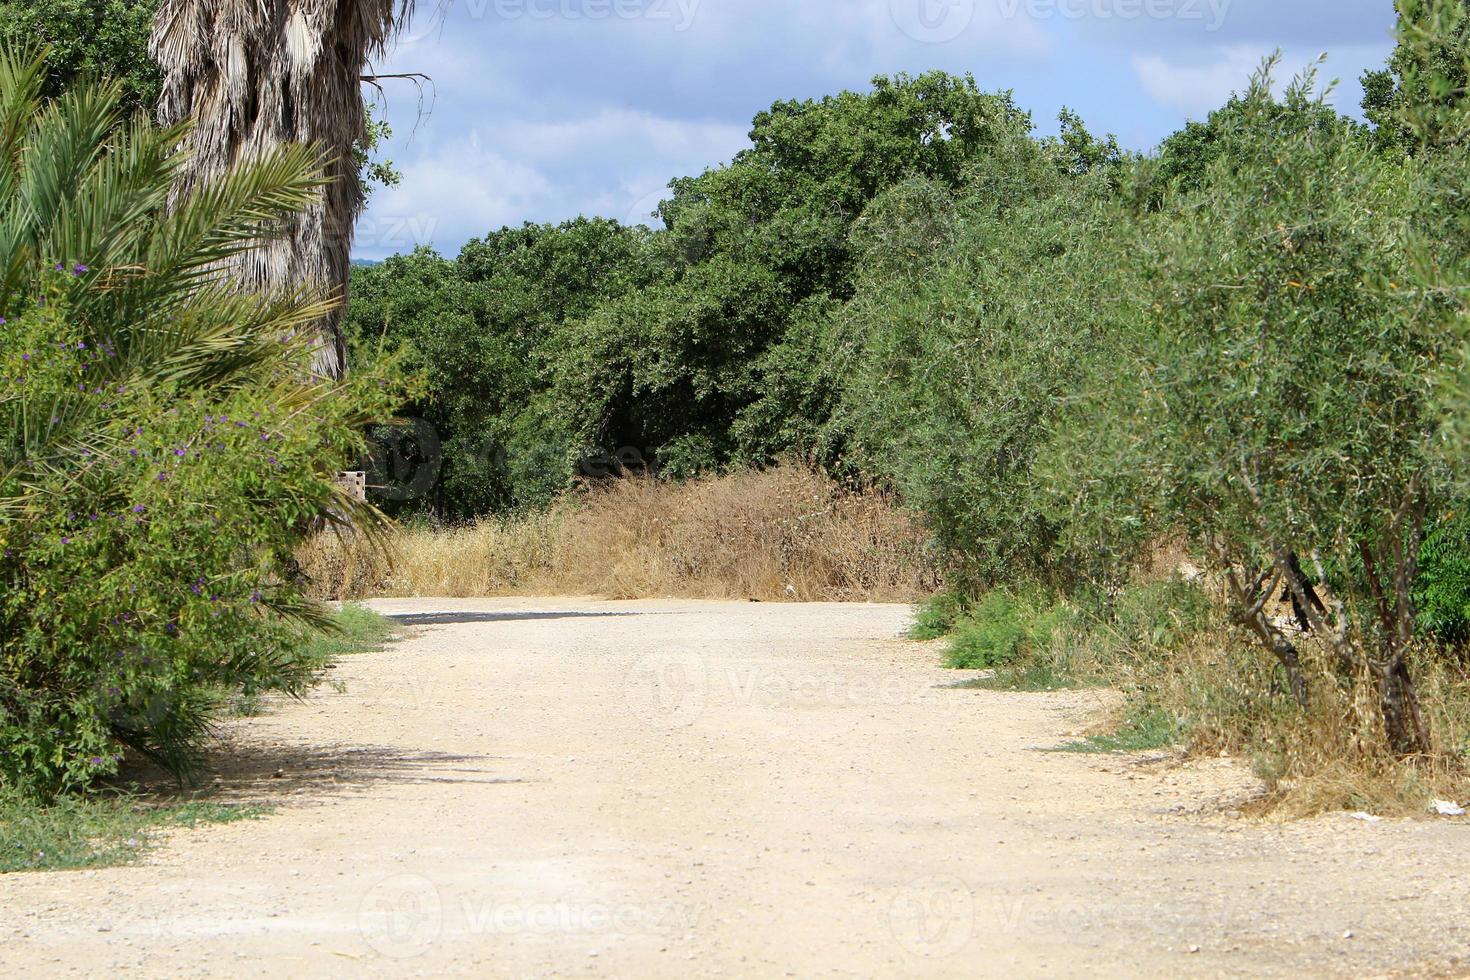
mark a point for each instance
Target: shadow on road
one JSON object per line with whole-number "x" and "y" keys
{"x": 272, "y": 775}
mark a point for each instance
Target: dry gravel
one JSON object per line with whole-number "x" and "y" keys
{"x": 532, "y": 788}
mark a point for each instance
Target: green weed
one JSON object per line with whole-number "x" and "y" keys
{"x": 96, "y": 831}
{"x": 1150, "y": 728}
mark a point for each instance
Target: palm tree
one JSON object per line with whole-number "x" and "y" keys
{"x": 98, "y": 249}
{"x": 259, "y": 74}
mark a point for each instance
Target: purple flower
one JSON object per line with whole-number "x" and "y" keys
{"x": 179, "y": 452}
{"x": 96, "y": 760}
{"x": 138, "y": 509}
{"x": 65, "y": 539}
{"x": 81, "y": 270}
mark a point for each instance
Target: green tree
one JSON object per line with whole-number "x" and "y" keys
{"x": 1281, "y": 410}
{"x": 481, "y": 330}
{"x": 98, "y": 39}
{"x": 710, "y": 363}
{"x": 1187, "y": 158}
{"x": 974, "y": 322}
{"x": 1417, "y": 99}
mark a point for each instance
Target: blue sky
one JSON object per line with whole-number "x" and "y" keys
{"x": 545, "y": 109}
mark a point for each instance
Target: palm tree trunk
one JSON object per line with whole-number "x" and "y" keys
{"x": 255, "y": 74}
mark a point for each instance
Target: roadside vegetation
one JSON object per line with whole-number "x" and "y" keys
{"x": 1189, "y": 423}
{"x": 118, "y": 820}
{"x": 779, "y": 534}
{"x": 165, "y": 444}
{"x": 97, "y": 830}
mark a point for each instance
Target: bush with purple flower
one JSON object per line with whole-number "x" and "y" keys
{"x": 146, "y": 574}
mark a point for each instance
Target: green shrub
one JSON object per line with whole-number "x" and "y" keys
{"x": 1037, "y": 641}
{"x": 1279, "y": 407}
{"x": 1442, "y": 593}
{"x": 973, "y": 325}
{"x": 937, "y": 616}
{"x": 164, "y": 444}
{"x": 1006, "y": 627}
{"x": 1158, "y": 614}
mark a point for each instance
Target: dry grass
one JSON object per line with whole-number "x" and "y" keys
{"x": 1185, "y": 672}
{"x": 1334, "y": 756}
{"x": 1230, "y": 696}
{"x": 784, "y": 533}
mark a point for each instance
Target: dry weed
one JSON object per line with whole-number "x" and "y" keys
{"x": 1333, "y": 756}
{"x": 784, "y": 533}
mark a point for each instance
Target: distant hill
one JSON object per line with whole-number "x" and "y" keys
{"x": 365, "y": 263}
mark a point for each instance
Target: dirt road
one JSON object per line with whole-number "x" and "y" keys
{"x": 668, "y": 789}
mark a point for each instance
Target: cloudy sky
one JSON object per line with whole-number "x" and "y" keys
{"x": 541, "y": 110}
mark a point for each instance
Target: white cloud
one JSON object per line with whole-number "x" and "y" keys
{"x": 621, "y": 132}
{"x": 448, "y": 195}
{"x": 1198, "y": 86}
{"x": 612, "y": 163}
{"x": 542, "y": 118}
